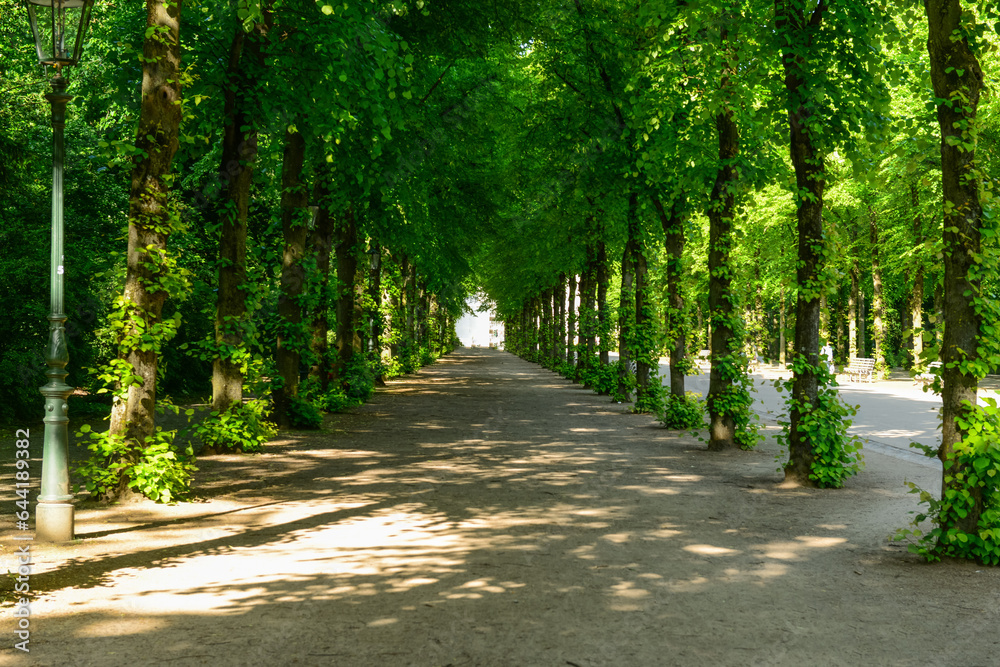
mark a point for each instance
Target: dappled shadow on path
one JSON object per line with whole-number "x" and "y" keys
{"x": 487, "y": 512}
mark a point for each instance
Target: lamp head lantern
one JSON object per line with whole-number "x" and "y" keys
{"x": 58, "y": 27}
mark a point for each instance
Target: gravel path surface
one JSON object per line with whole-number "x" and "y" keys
{"x": 487, "y": 512}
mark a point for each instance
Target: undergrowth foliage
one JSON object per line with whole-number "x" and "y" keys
{"x": 161, "y": 473}
{"x": 682, "y": 412}
{"x": 836, "y": 455}
{"x": 243, "y": 427}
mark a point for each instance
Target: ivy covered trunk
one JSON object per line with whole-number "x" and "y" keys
{"x": 377, "y": 324}
{"x": 320, "y": 245}
{"x": 878, "y": 299}
{"x": 646, "y": 350}
{"x": 674, "y": 318}
{"x": 571, "y": 321}
{"x": 852, "y": 313}
{"x": 346, "y": 249}
{"x": 292, "y": 338}
{"x": 239, "y": 153}
{"x": 151, "y": 221}
{"x": 958, "y": 82}
{"x": 797, "y": 28}
{"x": 603, "y": 314}
{"x": 725, "y": 342}
{"x": 626, "y": 308}
{"x": 917, "y": 293}
{"x": 545, "y": 329}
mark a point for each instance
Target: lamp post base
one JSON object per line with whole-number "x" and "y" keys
{"x": 54, "y": 522}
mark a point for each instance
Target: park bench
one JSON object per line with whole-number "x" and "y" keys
{"x": 933, "y": 370}
{"x": 860, "y": 369}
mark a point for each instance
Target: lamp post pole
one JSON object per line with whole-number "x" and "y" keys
{"x": 54, "y": 513}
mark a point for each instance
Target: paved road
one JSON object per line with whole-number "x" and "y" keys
{"x": 891, "y": 413}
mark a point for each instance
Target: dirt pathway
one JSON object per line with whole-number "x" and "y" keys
{"x": 486, "y": 512}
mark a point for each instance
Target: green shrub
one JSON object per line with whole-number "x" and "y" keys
{"x": 304, "y": 413}
{"x": 836, "y": 455}
{"x": 159, "y": 470}
{"x": 358, "y": 380}
{"x": 243, "y": 427}
{"x": 972, "y": 470}
{"x": 682, "y": 412}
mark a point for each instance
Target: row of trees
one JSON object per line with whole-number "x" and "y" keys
{"x": 302, "y": 189}
{"x": 768, "y": 167}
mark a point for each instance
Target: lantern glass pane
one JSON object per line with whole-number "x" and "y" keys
{"x": 58, "y": 26}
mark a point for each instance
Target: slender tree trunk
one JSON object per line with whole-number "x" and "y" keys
{"x": 149, "y": 222}
{"x": 626, "y": 304}
{"x": 852, "y": 314}
{"x": 321, "y": 245}
{"x": 603, "y": 315}
{"x": 377, "y": 323}
{"x": 917, "y": 292}
{"x": 346, "y": 249}
{"x": 295, "y": 229}
{"x": 862, "y": 325}
{"x": 958, "y": 79}
{"x": 644, "y": 356}
{"x": 782, "y": 343}
{"x": 878, "y": 301}
{"x": 239, "y": 155}
{"x": 810, "y": 181}
{"x": 545, "y": 328}
{"x": 571, "y": 322}
{"x": 675, "y": 320}
{"x": 560, "y": 351}
{"x": 725, "y": 344}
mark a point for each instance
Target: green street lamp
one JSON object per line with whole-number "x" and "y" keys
{"x": 58, "y": 27}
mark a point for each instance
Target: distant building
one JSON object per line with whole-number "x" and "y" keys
{"x": 478, "y": 329}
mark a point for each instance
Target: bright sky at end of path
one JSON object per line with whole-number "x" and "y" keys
{"x": 473, "y": 329}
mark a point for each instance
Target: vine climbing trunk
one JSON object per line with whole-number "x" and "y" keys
{"x": 797, "y": 29}
{"x": 320, "y": 246}
{"x": 151, "y": 219}
{"x": 291, "y": 338}
{"x": 348, "y": 342}
{"x": 626, "y": 306}
{"x": 917, "y": 292}
{"x": 646, "y": 354}
{"x": 239, "y": 154}
{"x": 674, "y": 319}
{"x": 958, "y": 81}
{"x": 878, "y": 299}
{"x": 603, "y": 314}
{"x": 721, "y": 298}
{"x": 571, "y": 322}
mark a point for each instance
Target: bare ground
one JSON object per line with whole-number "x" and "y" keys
{"x": 487, "y": 512}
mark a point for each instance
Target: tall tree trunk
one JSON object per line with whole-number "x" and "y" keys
{"x": 852, "y": 314}
{"x": 626, "y": 303}
{"x": 545, "y": 342}
{"x": 560, "y": 351}
{"x": 675, "y": 320}
{"x": 239, "y": 154}
{"x": 645, "y": 356}
{"x": 149, "y": 222}
{"x": 346, "y": 249}
{"x": 321, "y": 245}
{"x": 295, "y": 229}
{"x": 917, "y": 292}
{"x": 797, "y": 29}
{"x": 375, "y": 316}
{"x": 782, "y": 324}
{"x": 862, "y": 325}
{"x": 721, "y": 298}
{"x": 603, "y": 315}
{"x": 958, "y": 79}
{"x": 878, "y": 301}
{"x": 571, "y": 323}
